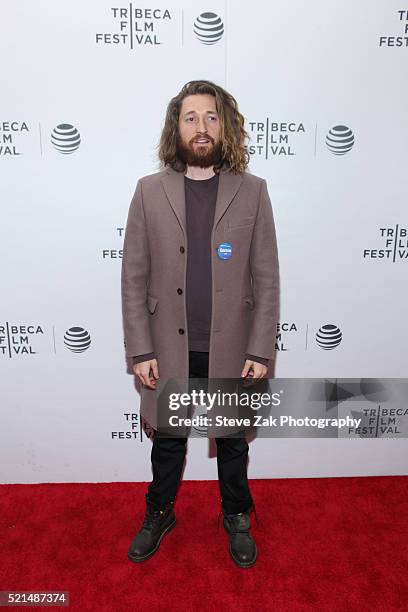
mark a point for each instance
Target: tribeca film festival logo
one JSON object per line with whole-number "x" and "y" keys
{"x": 64, "y": 138}
{"x": 379, "y": 405}
{"x": 138, "y": 428}
{"x": 284, "y": 335}
{"x": 290, "y": 337}
{"x": 9, "y": 131}
{"x": 114, "y": 253}
{"x": 17, "y": 339}
{"x": 274, "y": 139}
{"x": 394, "y": 245}
{"x": 380, "y": 422}
{"x": 147, "y": 27}
{"x": 400, "y": 37}
{"x": 288, "y": 138}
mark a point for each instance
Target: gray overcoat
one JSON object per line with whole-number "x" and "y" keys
{"x": 245, "y": 285}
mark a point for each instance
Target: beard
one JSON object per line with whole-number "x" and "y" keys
{"x": 199, "y": 155}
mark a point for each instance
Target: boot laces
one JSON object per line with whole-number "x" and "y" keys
{"x": 253, "y": 508}
{"x": 240, "y": 522}
{"x": 152, "y": 518}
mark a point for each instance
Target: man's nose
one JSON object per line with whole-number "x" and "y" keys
{"x": 201, "y": 128}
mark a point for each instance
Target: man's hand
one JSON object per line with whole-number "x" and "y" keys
{"x": 142, "y": 371}
{"x": 254, "y": 369}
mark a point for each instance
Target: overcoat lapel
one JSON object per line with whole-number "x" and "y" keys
{"x": 173, "y": 184}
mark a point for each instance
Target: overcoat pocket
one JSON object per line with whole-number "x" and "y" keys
{"x": 243, "y": 222}
{"x": 151, "y": 303}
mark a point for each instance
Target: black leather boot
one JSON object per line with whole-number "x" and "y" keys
{"x": 242, "y": 546}
{"x": 155, "y": 526}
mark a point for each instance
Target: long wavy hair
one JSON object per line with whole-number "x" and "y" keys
{"x": 232, "y": 133}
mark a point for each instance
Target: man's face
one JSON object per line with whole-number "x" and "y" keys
{"x": 199, "y": 121}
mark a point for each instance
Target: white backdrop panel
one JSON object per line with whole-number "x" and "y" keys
{"x": 297, "y": 70}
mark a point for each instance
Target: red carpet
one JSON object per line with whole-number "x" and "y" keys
{"x": 330, "y": 544}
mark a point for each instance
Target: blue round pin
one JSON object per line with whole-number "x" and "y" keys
{"x": 224, "y": 250}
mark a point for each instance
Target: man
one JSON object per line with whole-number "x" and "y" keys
{"x": 200, "y": 292}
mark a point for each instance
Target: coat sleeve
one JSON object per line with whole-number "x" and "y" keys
{"x": 264, "y": 266}
{"x": 134, "y": 279}
{"x": 145, "y": 357}
{"x": 257, "y": 359}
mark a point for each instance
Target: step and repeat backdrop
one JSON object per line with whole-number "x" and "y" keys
{"x": 85, "y": 86}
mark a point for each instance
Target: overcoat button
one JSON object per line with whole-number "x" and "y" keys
{"x": 179, "y": 291}
{"x": 181, "y": 249}
{"x": 181, "y": 330}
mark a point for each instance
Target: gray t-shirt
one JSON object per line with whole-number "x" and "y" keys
{"x": 201, "y": 196}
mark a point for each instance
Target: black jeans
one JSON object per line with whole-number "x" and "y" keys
{"x": 168, "y": 456}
